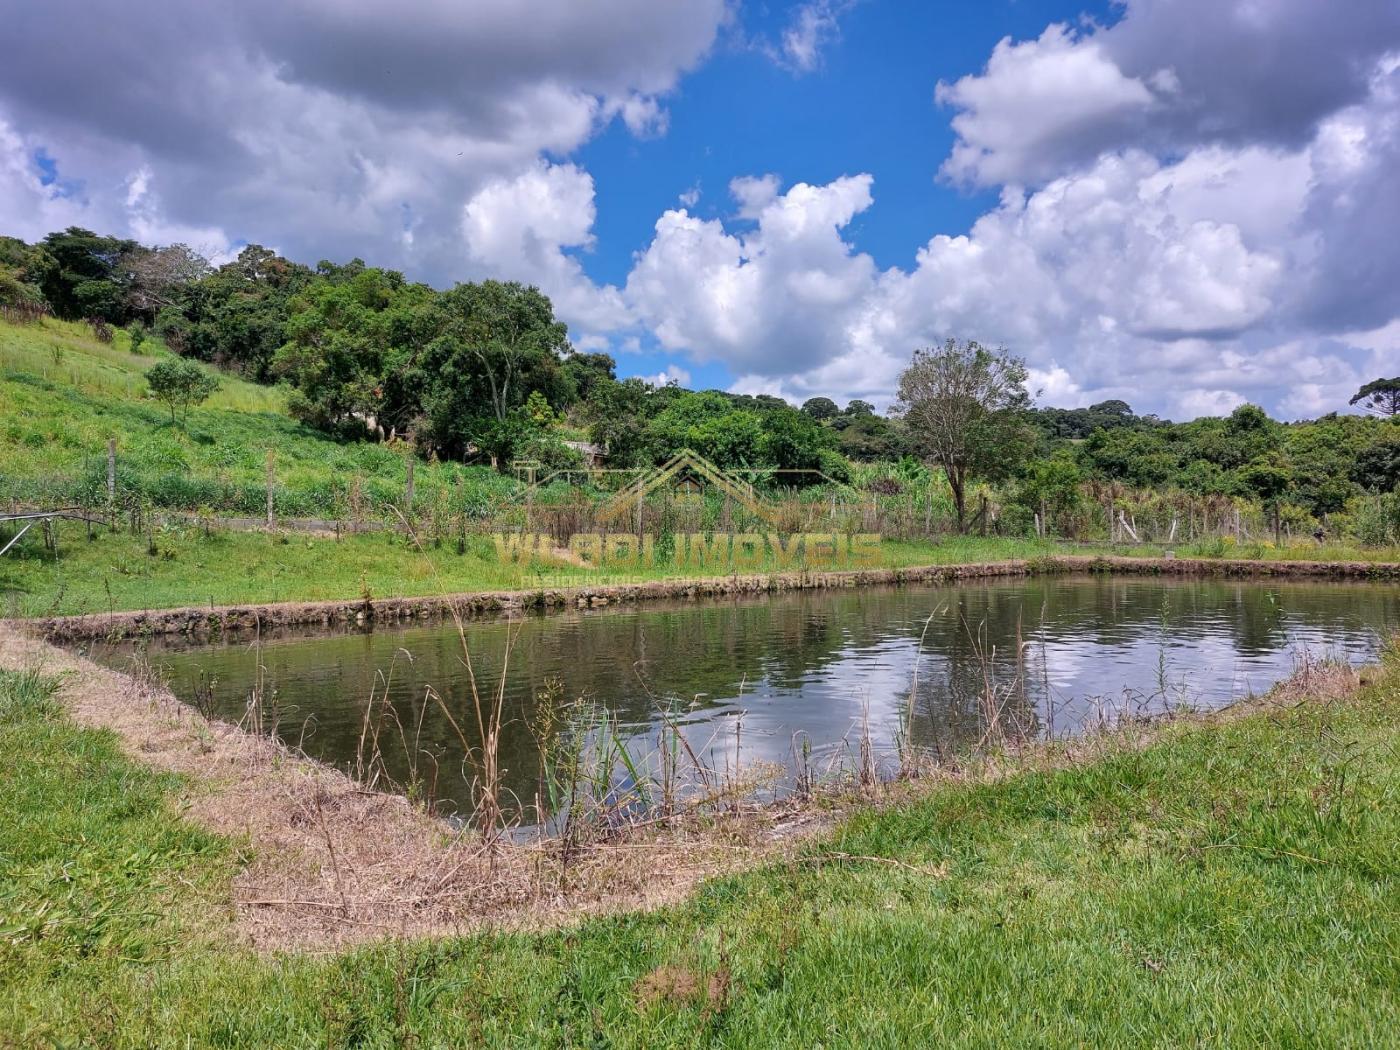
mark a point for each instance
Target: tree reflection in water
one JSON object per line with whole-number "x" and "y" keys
{"x": 1052, "y": 653}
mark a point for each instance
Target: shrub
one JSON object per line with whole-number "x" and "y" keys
{"x": 180, "y": 384}
{"x": 1375, "y": 520}
{"x": 138, "y": 335}
{"x": 834, "y": 465}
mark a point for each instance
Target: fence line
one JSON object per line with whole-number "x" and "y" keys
{"x": 446, "y": 508}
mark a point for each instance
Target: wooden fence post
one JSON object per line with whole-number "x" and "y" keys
{"x": 271, "y": 483}
{"x": 111, "y": 470}
{"x": 461, "y": 515}
{"x": 408, "y": 487}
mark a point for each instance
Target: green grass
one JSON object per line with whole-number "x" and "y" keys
{"x": 63, "y": 395}
{"x": 1230, "y": 885}
{"x": 1298, "y": 550}
{"x": 116, "y": 571}
{"x": 98, "y": 874}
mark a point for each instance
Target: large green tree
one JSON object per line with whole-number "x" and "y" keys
{"x": 586, "y": 372}
{"x": 1271, "y": 479}
{"x": 1322, "y": 455}
{"x": 506, "y": 334}
{"x": 81, "y": 275}
{"x": 354, "y": 341}
{"x": 1377, "y": 465}
{"x": 869, "y": 438}
{"x": 494, "y": 344}
{"x": 1138, "y": 457}
{"x": 965, "y": 408}
{"x": 618, "y": 413}
{"x": 237, "y": 315}
{"x": 707, "y": 423}
{"x": 1075, "y": 423}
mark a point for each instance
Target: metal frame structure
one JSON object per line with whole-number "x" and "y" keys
{"x": 36, "y": 517}
{"x": 733, "y": 482}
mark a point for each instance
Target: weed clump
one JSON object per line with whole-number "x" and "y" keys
{"x": 26, "y": 695}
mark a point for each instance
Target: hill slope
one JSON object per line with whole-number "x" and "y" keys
{"x": 63, "y": 394}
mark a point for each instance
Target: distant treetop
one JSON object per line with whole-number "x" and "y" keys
{"x": 1380, "y": 396}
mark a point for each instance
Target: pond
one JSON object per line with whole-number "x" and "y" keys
{"x": 796, "y": 679}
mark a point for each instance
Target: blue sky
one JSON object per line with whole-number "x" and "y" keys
{"x": 1186, "y": 204}
{"x": 867, "y": 107}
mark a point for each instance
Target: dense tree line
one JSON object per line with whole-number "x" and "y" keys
{"x": 482, "y": 371}
{"x": 966, "y": 409}
{"x": 1317, "y": 464}
{"x": 485, "y": 372}
{"x": 641, "y": 424}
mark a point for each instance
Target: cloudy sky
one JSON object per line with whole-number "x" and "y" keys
{"x": 1183, "y": 203}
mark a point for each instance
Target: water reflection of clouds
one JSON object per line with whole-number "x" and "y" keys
{"x": 816, "y": 662}
{"x": 1059, "y": 664}
{"x": 831, "y": 700}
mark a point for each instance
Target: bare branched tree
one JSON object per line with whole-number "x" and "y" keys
{"x": 156, "y": 275}
{"x": 965, "y": 407}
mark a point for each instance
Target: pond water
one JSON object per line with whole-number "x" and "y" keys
{"x": 746, "y": 678}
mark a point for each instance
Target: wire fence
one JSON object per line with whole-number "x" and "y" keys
{"x": 442, "y": 504}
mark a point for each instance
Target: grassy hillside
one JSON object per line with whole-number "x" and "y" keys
{"x": 1232, "y": 884}
{"x": 63, "y": 394}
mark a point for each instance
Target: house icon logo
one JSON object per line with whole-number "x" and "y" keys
{"x": 688, "y": 471}
{"x": 782, "y": 541}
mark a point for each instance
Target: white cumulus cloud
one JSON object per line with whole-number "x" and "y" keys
{"x": 1035, "y": 104}
{"x": 519, "y": 229}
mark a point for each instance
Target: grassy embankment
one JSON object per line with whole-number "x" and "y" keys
{"x": 116, "y": 571}
{"x": 1233, "y": 883}
{"x": 63, "y": 394}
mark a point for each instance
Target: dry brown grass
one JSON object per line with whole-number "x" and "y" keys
{"x": 676, "y": 985}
